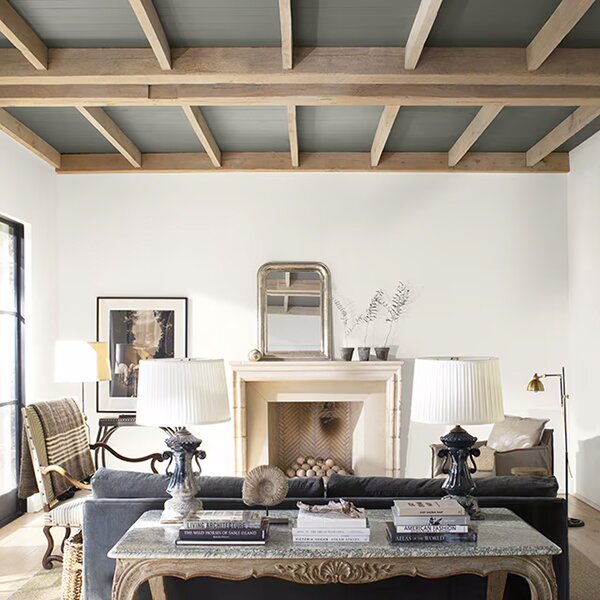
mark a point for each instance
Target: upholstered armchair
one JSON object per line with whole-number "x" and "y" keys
{"x": 493, "y": 462}
{"x": 63, "y": 493}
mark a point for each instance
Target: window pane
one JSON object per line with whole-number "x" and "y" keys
{"x": 8, "y": 358}
{"x": 8, "y": 450}
{"x": 8, "y": 268}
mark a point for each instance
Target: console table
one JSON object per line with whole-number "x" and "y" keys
{"x": 506, "y": 544}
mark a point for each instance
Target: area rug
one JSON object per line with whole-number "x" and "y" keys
{"x": 585, "y": 576}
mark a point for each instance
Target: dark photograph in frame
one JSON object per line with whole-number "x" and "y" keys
{"x": 136, "y": 329}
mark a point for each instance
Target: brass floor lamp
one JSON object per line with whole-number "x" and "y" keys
{"x": 536, "y": 385}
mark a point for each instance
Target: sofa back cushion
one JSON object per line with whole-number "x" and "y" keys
{"x": 348, "y": 486}
{"x": 112, "y": 483}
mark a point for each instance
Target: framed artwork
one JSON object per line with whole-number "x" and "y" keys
{"x": 136, "y": 329}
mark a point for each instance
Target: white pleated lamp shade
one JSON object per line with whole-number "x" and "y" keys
{"x": 182, "y": 392}
{"x": 457, "y": 391}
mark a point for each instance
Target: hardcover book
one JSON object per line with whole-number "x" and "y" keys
{"x": 398, "y": 538}
{"x": 427, "y": 508}
{"x": 429, "y": 520}
{"x": 231, "y": 519}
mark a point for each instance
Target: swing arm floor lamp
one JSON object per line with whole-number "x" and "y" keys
{"x": 536, "y": 385}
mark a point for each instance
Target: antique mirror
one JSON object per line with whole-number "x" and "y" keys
{"x": 294, "y": 311}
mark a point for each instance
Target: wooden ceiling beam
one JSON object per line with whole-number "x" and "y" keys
{"x": 313, "y": 66}
{"x": 574, "y": 123}
{"x": 384, "y": 127}
{"x": 204, "y": 134}
{"x": 473, "y": 132}
{"x": 22, "y": 37}
{"x": 561, "y": 22}
{"x": 436, "y": 162}
{"x": 292, "y": 119}
{"x": 287, "y": 40}
{"x": 32, "y": 141}
{"x": 113, "y": 133}
{"x": 424, "y": 20}
{"x": 284, "y": 95}
{"x": 146, "y": 14}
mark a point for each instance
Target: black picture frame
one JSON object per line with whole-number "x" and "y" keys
{"x": 105, "y": 403}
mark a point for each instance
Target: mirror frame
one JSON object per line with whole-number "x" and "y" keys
{"x": 325, "y": 305}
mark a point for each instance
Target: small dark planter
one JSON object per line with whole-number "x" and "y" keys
{"x": 347, "y": 353}
{"x": 382, "y": 352}
{"x": 364, "y": 352}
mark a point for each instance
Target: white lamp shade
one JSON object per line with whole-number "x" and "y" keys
{"x": 457, "y": 391}
{"x": 77, "y": 361}
{"x": 182, "y": 392}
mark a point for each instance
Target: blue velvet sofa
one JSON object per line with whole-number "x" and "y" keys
{"x": 120, "y": 497}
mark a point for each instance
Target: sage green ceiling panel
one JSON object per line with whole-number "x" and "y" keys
{"x": 83, "y": 23}
{"x": 249, "y": 128}
{"x": 518, "y": 128}
{"x": 586, "y": 34}
{"x": 491, "y": 23}
{"x": 220, "y": 22}
{"x": 63, "y": 128}
{"x": 428, "y": 128}
{"x": 156, "y": 128}
{"x": 353, "y": 22}
{"x": 337, "y": 128}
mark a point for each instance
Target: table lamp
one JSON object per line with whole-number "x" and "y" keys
{"x": 458, "y": 391}
{"x": 81, "y": 362}
{"x": 173, "y": 394}
{"x": 536, "y": 385}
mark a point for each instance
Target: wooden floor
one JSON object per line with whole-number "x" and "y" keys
{"x": 22, "y": 545}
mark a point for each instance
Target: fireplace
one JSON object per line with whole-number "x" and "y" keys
{"x": 346, "y": 412}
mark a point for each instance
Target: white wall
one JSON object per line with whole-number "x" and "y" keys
{"x": 29, "y": 196}
{"x": 486, "y": 254}
{"x": 584, "y": 286}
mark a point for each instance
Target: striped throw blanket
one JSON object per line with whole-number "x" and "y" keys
{"x": 66, "y": 442}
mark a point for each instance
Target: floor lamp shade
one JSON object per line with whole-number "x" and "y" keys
{"x": 453, "y": 391}
{"x": 182, "y": 392}
{"x": 77, "y": 361}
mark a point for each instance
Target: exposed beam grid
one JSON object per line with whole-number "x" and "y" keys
{"x": 145, "y": 11}
{"x": 292, "y": 119}
{"x": 431, "y": 162}
{"x": 384, "y": 127}
{"x": 473, "y": 132}
{"x": 204, "y": 134}
{"x": 424, "y": 20}
{"x": 22, "y": 134}
{"x": 20, "y": 35}
{"x": 563, "y": 19}
{"x": 564, "y": 131}
{"x": 287, "y": 41}
{"x": 113, "y": 133}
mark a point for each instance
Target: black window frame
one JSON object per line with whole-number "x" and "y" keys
{"x": 19, "y": 314}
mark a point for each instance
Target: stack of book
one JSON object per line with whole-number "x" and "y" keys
{"x": 331, "y": 527}
{"x": 224, "y": 527}
{"x": 430, "y": 521}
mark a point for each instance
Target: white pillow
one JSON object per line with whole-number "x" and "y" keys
{"x": 516, "y": 432}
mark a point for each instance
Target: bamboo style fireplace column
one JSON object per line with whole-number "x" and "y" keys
{"x": 266, "y": 396}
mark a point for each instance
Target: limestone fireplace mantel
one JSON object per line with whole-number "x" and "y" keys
{"x": 328, "y": 381}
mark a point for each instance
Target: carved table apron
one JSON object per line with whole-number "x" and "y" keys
{"x": 506, "y": 545}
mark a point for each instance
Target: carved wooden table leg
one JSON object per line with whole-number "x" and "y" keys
{"x": 496, "y": 584}
{"x": 157, "y": 588}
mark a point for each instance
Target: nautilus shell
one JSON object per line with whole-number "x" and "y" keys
{"x": 255, "y": 355}
{"x": 264, "y": 486}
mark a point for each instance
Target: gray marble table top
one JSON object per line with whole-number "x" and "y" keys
{"x": 502, "y": 533}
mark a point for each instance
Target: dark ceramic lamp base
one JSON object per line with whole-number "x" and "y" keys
{"x": 459, "y": 483}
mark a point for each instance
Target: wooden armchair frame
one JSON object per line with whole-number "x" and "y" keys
{"x": 50, "y": 502}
